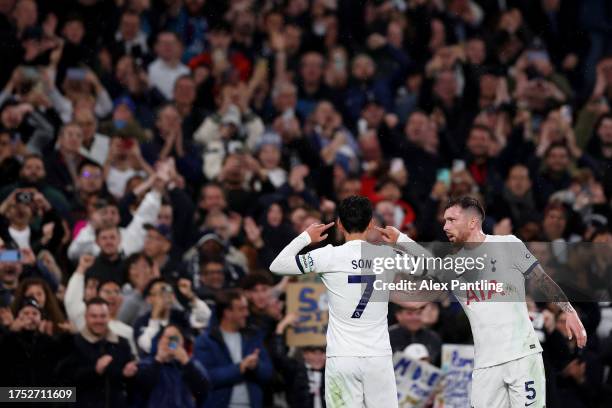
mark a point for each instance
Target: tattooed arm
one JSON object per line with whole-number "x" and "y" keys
{"x": 554, "y": 294}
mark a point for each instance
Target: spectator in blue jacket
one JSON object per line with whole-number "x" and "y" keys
{"x": 234, "y": 356}
{"x": 171, "y": 378}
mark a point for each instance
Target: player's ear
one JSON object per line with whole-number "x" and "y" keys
{"x": 340, "y": 226}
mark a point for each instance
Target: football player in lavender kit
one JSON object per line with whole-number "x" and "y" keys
{"x": 508, "y": 367}
{"x": 359, "y": 368}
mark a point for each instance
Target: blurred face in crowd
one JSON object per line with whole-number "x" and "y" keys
{"x": 31, "y": 316}
{"x": 108, "y": 215}
{"x": 25, "y": 13}
{"x": 458, "y": 223}
{"x": 349, "y": 188}
{"x": 91, "y": 288}
{"x": 168, "y": 47}
{"x": 233, "y": 170}
{"x": 445, "y": 85}
{"x": 390, "y": 191}
{"x": 70, "y": 139}
{"x": 325, "y": 114}
{"x": 237, "y": 314}
{"x": 312, "y": 67}
{"x": 74, "y": 31}
{"x": 12, "y": 116}
{"x": 363, "y": 68}
{"x": 604, "y": 131}
{"x": 87, "y": 122}
{"x": 554, "y": 223}
{"x": 184, "y": 91}
{"x": 6, "y": 146}
{"x": 140, "y": 273}
{"x": 219, "y": 39}
{"x": 37, "y": 292}
{"x": 488, "y": 86}
{"x": 274, "y": 215}
{"x": 285, "y": 97}
{"x": 370, "y": 148}
{"x": 298, "y": 216}
{"x": 19, "y": 214}
{"x": 170, "y": 334}
{"x": 410, "y": 319}
{"x": 373, "y": 113}
{"x": 244, "y": 24}
{"x": 97, "y": 317}
{"x": 218, "y": 222}
{"x": 314, "y": 357}
{"x": 165, "y": 216}
{"x": 130, "y": 26}
{"x": 155, "y": 244}
{"x": 557, "y": 159}
{"x": 108, "y": 241}
{"x": 479, "y": 142}
{"x": 293, "y": 37}
{"x": 164, "y": 292}
{"x": 386, "y": 210}
{"x": 269, "y": 156}
{"x": 416, "y": 127}
{"x": 91, "y": 179}
{"x": 168, "y": 119}
{"x": 111, "y": 292}
{"x": 518, "y": 181}
{"x": 475, "y": 51}
{"x": 259, "y": 296}
{"x": 9, "y": 274}
{"x": 32, "y": 171}
{"x": 194, "y": 6}
{"x": 212, "y": 275}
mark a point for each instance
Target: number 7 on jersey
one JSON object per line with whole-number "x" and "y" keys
{"x": 367, "y": 293}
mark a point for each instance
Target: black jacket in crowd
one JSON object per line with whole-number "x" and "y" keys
{"x": 79, "y": 370}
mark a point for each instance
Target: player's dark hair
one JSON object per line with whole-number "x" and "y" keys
{"x": 355, "y": 213}
{"x": 467, "y": 203}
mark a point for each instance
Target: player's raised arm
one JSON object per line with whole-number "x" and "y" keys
{"x": 395, "y": 237}
{"x": 287, "y": 262}
{"x": 555, "y": 294}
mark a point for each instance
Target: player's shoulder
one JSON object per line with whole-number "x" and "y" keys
{"x": 503, "y": 238}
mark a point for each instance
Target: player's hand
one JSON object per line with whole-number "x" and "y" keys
{"x": 317, "y": 232}
{"x": 389, "y": 234}
{"x": 574, "y": 327}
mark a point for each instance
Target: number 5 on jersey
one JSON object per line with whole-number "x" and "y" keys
{"x": 367, "y": 293}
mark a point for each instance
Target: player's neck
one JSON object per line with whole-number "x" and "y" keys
{"x": 355, "y": 236}
{"x": 476, "y": 236}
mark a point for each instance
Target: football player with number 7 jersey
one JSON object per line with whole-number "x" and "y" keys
{"x": 359, "y": 368}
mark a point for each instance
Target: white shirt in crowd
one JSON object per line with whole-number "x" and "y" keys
{"x": 22, "y": 238}
{"x": 163, "y": 76}
{"x": 132, "y": 237}
{"x": 98, "y": 151}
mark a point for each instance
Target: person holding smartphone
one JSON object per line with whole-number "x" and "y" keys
{"x": 169, "y": 377}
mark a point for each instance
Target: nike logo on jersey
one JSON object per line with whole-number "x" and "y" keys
{"x": 532, "y": 402}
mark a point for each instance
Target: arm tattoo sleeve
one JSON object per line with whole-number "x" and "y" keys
{"x": 551, "y": 290}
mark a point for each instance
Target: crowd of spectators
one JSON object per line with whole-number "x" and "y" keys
{"x": 156, "y": 155}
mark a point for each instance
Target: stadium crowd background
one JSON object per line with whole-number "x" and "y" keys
{"x": 155, "y": 155}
